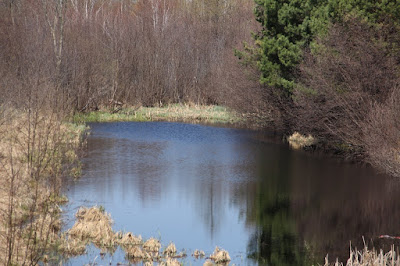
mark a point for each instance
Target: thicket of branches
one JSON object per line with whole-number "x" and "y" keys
{"x": 96, "y": 52}
{"x": 332, "y": 69}
{"x": 350, "y": 93}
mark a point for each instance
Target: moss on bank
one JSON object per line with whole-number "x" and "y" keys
{"x": 175, "y": 112}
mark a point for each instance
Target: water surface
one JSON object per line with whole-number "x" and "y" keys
{"x": 202, "y": 186}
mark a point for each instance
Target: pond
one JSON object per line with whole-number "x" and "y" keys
{"x": 202, "y": 186}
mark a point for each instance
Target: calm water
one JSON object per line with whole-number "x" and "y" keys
{"x": 202, "y": 187}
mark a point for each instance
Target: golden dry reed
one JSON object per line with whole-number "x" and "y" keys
{"x": 299, "y": 141}
{"x": 368, "y": 257}
{"x": 36, "y": 150}
{"x": 94, "y": 225}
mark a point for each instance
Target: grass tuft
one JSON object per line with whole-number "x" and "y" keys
{"x": 298, "y": 141}
{"x": 93, "y": 225}
{"x": 368, "y": 257}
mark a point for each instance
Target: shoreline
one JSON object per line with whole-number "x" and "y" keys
{"x": 212, "y": 114}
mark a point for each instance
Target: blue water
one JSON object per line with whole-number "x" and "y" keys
{"x": 201, "y": 186}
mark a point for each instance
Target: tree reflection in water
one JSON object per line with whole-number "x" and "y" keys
{"x": 276, "y": 241}
{"x": 305, "y": 207}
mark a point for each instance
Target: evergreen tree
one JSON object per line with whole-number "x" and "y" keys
{"x": 290, "y": 26}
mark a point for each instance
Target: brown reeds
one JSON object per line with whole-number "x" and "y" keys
{"x": 220, "y": 256}
{"x": 94, "y": 225}
{"x": 36, "y": 150}
{"x": 368, "y": 257}
{"x": 299, "y": 141}
{"x": 198, "y": 253}
{"x": 170, "y": 250}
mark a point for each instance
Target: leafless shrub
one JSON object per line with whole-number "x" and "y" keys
{"x": 90, "y": 53}
{"x": 349, "y": 73}
{"x": 381, "y": 131}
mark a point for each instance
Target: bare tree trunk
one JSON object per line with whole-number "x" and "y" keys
{"x": 56, "y": 29}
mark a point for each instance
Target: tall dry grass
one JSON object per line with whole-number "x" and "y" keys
{"x": 36, "y": 151}
{"x": 366, "y": 257}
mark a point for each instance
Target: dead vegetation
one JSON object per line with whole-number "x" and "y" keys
{"x": 220, "y": 256}
{"x": 298, "y": 141}
{"x": 129, "y": 240}
{"x": 198, "y": 253}
{"x": 348, "y": 96}
{"x": 94, "y": 225}
{"x": 170, "y": 250}
{"x": 368, "y": 257}
{"x": 36, "y": 151}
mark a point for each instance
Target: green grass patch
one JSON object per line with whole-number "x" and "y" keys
{"x": 175, "y": 112}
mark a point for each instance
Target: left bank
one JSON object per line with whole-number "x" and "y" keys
{"x": 37, "y": 149}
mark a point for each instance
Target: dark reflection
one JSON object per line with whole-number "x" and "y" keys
{"x": 306, "y": 207}
{"x": 202, "y": 186}
{"x": 276, "y": 241}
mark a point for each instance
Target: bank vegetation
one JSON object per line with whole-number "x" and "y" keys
{"x": 324, "y": 69}
{"x": 36, "y": 152}
{"x": 331, "y": 69}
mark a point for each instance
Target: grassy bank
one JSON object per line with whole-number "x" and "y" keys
{"x": 36, "y": 151}
{"x": 175, "y": 112}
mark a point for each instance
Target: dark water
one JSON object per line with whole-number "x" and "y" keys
{"x": 202, "y": 187}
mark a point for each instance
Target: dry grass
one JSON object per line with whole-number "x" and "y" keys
{"x": 138, "y": 253}
{"x": 72, "y": 247}
{"x": 35, "y": 150}
{"x": 95, "y": 225}
{"x": 220, "y": 256}
{"x": 198, "y": 253}
{"x": 368, "y": 257}
{"x": 170, "y": 262}
{"x": 170, "y": 250}
{"x": 152, "y": 245}
{"x": 208, "y": 263}
{"x": 192, "y": 113}
{"x": 298, "y": 141}
{"x": 129, "y": 240}
{"x": 176, "y": 112}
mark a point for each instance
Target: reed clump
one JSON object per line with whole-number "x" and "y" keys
{"x": 367, "y": 257}
{"x": 152, "y": 245}
{"x": 129, "y": 240}
{"x": 299, "y": 141}
{"x": 94, "y": 225}
{"x": 170, "y": 262}
{"x": 170, "y": 250}
{"x": 198, "y": 253}
{"x": 220, "y": 256}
